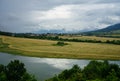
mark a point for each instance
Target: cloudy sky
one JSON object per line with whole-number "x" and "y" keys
{"x": 67, "y": 15}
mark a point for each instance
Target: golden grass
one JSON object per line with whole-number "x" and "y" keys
{"x": 45, "y": 48}
{"x": 89, "y": 37}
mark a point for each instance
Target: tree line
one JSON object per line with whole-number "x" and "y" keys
{"x": 94, "y": 71}
{"x": 49, "y": 36}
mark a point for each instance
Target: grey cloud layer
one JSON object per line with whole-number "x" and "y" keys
{"x": 77, "y": 15}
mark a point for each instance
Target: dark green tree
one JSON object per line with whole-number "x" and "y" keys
{"x": 2, "y": 73}
{"x": 112, "y": 76}
{"x": 94, "y": 71}
{"x": 15, "y": 70}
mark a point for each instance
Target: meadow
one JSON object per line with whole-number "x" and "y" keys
{"x": 46, "y": 48}
{"x": 103, "y": 39}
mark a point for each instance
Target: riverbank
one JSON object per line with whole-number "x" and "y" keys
{"x": 45, "y": 68}
{"x": 46, "y": 48}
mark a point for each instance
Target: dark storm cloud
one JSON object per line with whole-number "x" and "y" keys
{"x": 32, "y": 15}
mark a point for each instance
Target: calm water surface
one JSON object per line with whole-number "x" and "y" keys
{"x": 44, "y": 68}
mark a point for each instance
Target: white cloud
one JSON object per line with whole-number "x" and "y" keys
{"x": 114, "y": 18}
{"x": 80, "y": 17}
{"x": 73, "y": 15}
{"x": 60, "y": 12}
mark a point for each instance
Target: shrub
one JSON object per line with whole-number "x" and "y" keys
{"x": 61, "y": 43}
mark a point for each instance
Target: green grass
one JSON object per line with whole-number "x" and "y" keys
{"x": 46, "y": 48}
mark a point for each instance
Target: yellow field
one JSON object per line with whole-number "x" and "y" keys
{"x": 45, "y": 48}
{"x": 89, "y": 38}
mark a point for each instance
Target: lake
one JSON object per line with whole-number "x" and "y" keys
{"x": 44, "y": 68}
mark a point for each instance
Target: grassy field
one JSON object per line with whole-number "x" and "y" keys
{"x": 46, "y": 48}
{"x": 89, "y": 38}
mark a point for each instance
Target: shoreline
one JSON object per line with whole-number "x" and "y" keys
{"x": 60, "y": 57}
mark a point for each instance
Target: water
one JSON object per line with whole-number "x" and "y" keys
{"x": 44, "y": 68}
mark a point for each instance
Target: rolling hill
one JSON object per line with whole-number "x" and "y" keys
{"x": 110, "y": 30}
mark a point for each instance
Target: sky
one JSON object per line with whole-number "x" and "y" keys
{"x": 67, "y": 15}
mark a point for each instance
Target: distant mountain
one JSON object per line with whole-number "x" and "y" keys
{"x": 57, "y": 31}
{"x": 50, "y": 31}
{"x": 113, "y": 29}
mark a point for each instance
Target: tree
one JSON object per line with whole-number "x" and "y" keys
{"x": 94, "y": 71}
{"x": 2, "y": 73}
{"x": 112, "y": 76}
{"x": 15, "y": 70}
{"x": 28, "y": 77}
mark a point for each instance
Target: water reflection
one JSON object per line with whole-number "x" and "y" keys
{"x": 60, "y": 63}
{"x": 44, "y": 68}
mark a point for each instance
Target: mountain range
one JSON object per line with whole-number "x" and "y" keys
{"x": 113, "y": 29}
{"x": 110, "y": 29}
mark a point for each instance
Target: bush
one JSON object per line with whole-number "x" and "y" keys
{"x": 61, "y": 43}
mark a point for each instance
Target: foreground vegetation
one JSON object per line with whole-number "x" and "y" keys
{"x": 15, "y": 71}
{"x": 48, "y": 48}
{"x": 94, "y": 71}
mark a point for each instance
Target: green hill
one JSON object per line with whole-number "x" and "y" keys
{"x": 110, "y": 31}
{"x": 111, "y": 28}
